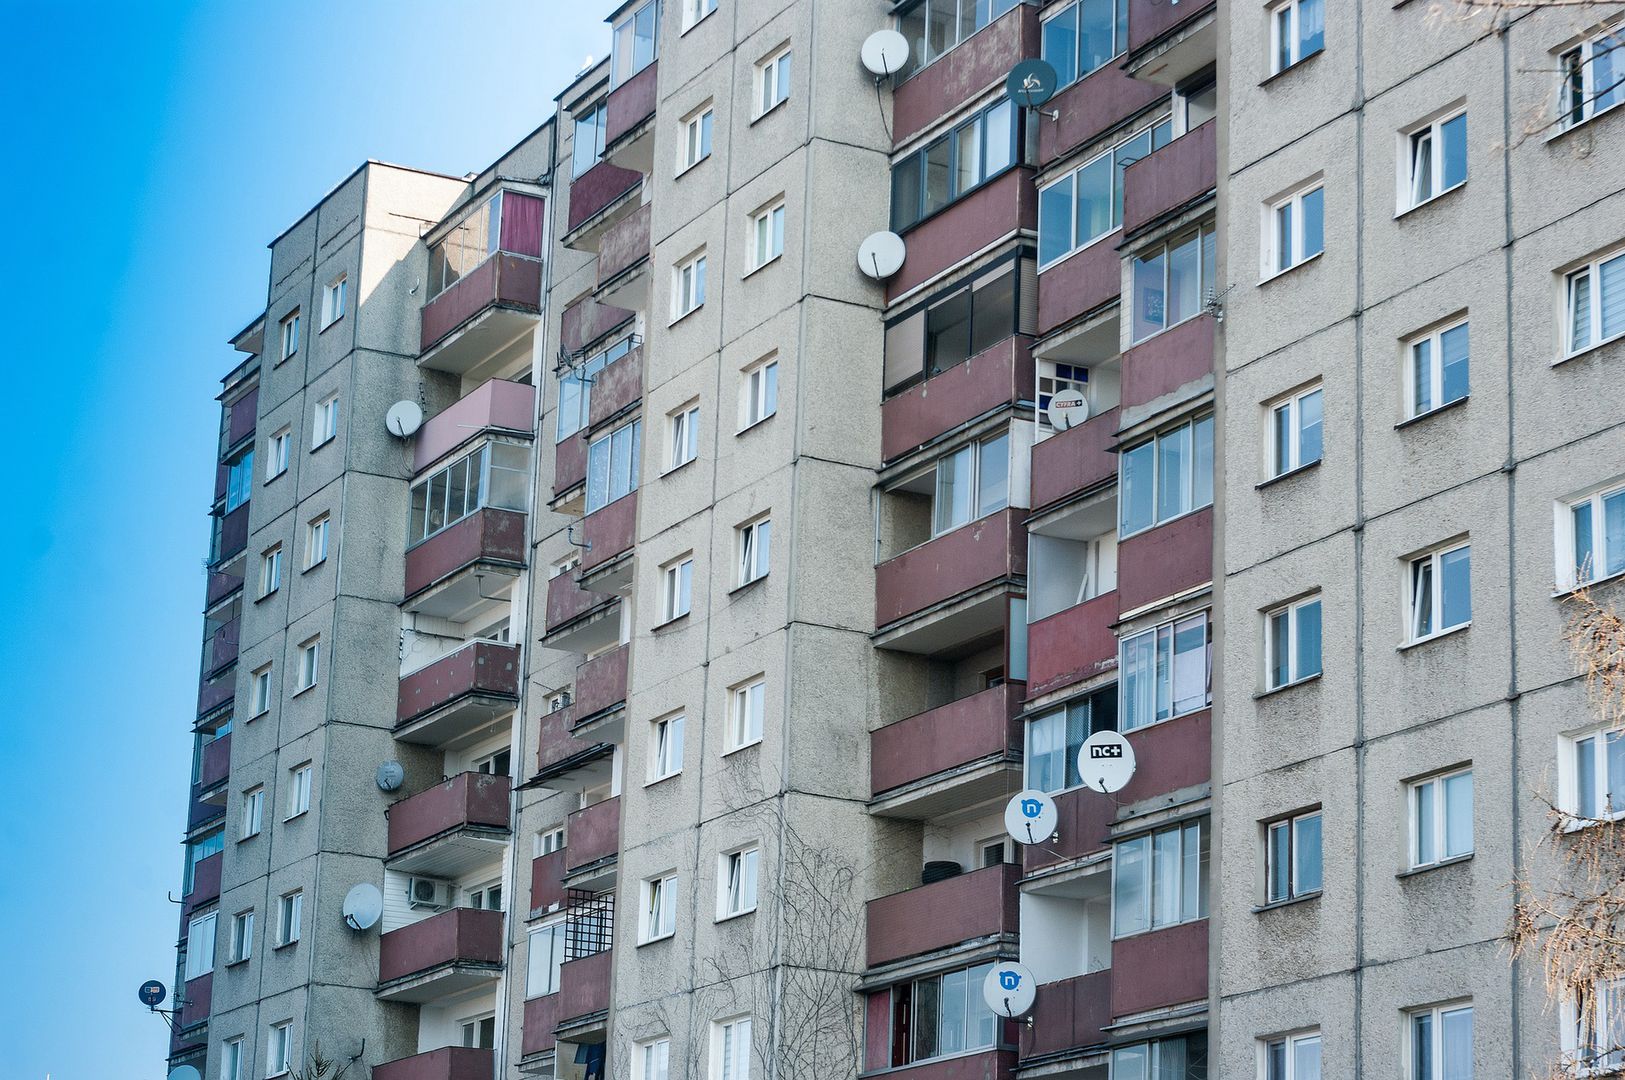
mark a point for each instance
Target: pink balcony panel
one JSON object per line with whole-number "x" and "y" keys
{"x": 222, "y": 585}
{"x": 485, "y": 536}
{"x": 216, "y": 692}
{"x": 470, "y": 798}
{"x": 1069, "y": 1014}
{"x": 957, "y": 76}
{"x": 1075, "y": 460}
{"x": 199, "y": 812}
{"x": 600, "y": 684}
{"x": 216, "y": 762}
{"x": 233, "y": 534}
{"x": 1171, "y": 177}
{"x": 1090, "y": 107}
{"x": 597, "y": 188}
{"x": 583, "y": 986}
{"x": 1072, "y": 645}
{"x": 494, "y": 405}
{"x": 547, "y": 882}
{"x": 503, "y": 280}
{"x": 953, "y": 235}
{"x": 1169, "y": 968}
{"x": 630, "y": 104}
{"x": 592, "y": 834}
{"x": 1165, "y": 561}
{"x": 1149, "y": 20}
{"x": 222, "y": 648}
{"x": 569, "y": 463}
{"x": 998, "y": 375}
{"x": 521, "y": 230}
{"x": 1080, "y": 283}
{"x": 987, "y": 550}
{"x": 586, "y": 320}
{"x": 982, "y": 903}
{"x": 616, "y": 388}
{"x": 487, "y": 668}
{"x": 205, "y": 882}
{"x": 240, "y": 417}
{"x": 566, "y": 600}
{"x": 457, "y": 936}
{"x": 1164, "y": 362}
{"x": 624, "y": 244}
{"x": 611, "y": 530}
{"x": 446, "y": 1063}
{"x": 196, "y": 1000}
{"x": 986, "y": 1065}
{"x": 541, "y": 1017}
{"x": 971, "y": 729}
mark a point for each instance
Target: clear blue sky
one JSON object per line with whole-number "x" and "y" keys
{"x": 151, "y": 151}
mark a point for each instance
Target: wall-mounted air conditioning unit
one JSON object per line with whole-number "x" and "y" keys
{"x": 428, "y": 894}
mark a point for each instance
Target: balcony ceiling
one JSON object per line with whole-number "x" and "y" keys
{"x": 442, "y": 983}
{"x": 957, "y": 630}
{"x": 474, "y": 591}
{"x": 454, "y": 854}
{"x": 482, "y": 344}
{"x": 965, "y": 793}
{"x": 458, "y": 723}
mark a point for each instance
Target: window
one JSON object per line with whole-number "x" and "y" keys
{"x": 1196, "y": 101}
{"x": 1055, "y": 377}
{"x": 1173, "y": 282}
{"x": 636, "y": 44}
{"x": 1596, "y": 302}
{"x": 1436, "y": 370}
{"x": 587, "y": 145}
{"x": 1593, "y": 77}
{"x": 299, "y": 789}
{"x": 772, "y": 82}
{"x": 696, "y": 142}
{"x": 755, "y": 548}
{"x": 239, "y": 479}
{"x": 242, "y": 937}
{"x": 316, "y": 541}
{"x": 276, "y": 458}
{"x": 1293, "y": 1057}
{"x": 1297, "y": 32}
{"x": 494, "y": 475}
{"x": 270, "y": 570}
{"x": 1295, "y": 230}
{"x": 485, "y": 898}
{"x": 310, "y": 656}
{"x": 666, "y": 747}
{"x": 279, "y": 1049}
{"x": 231, "y": 1064}
{"x": 1084, "y": 36}
{"x": 736, "y": 883}
{"x": 612, "y": 465}
{"x": 496, "y": 763}
{"x": 1292, "y": 643}
{"x": 1160, "y": 879}
{"x": 730, "y": 1049}
{"x": 290, "y": 334}
{"x": 960, "y": 322}
{"x": 1442, "y": 1043}
{"x": 1441, "y": 818}
{"x": 1165, "y": 672}
{"x": 290, "y": 908}
{"x": 1595, "y": 781}
{"x": 544, "y": 953}
{"x": 683, "y": 446}
{"x": 1295, "y": 432}
{"x": 478, "y": 1032}
{"x": 940, "y": 1015}
{"x": 1055, "y": 738}
{"x": 327, "y": 422}
{"x": 766, "y": 236}
{"x": 200, "y": 849}
{"x": 1435, "y": 160}
{"x": 1594, "y": 1038}
{"x": 745, "y": 713}
{"x": 333, "y": 301}
{"x": 1087, "y": 203}
{"x": 259, "y": 691}
{"x": 659, "y": 914}
{"x": 971, "y": 483}
{"x": 949, "y": 167}
{"x": 693, "y": 12}
{"x": 549, "y": 841}
{"x": 253, "y": 811}
{"x": 1180, "y": 1058}
{"x": 676, "y": 581}
{"x": 1596, "y": 537}
{"x": 759, "y": 394}
{"x": 688, "y": 286}
{"x": 200, "y": 946}
{"x": 932, "y": 27}
{"x": 1292, "y": 858}
{"x": 652, "y": 1059}
{"x": 474, "y": 238}
{"x": 575, "y": 386}
{"x": 1166, "y": 476}
{"x": 1441, "y": 597}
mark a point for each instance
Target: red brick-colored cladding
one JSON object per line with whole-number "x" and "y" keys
{"x": 951, "y": 236}
{"x": 470, "y": 798}
{"x": 216, "y": 762}
{"x": 979, "y": 904}
{"x": 465, "y": 935}
{"x": 614, "y": 388}
{"x": 1164, "y": 362}
{"x": 205, "y": 882}
{"x": 222, "y": 647}
{"x": 630, "y": 104}
{"x": 1165, "y": 561}
{"x": 1171, "y": 756}
{"x": 597, "y": 188}
{"x": 489, "y": 535}
{"x": 610, "y": 530}
{"x": 233, "y": 533}
{"x": 494, "y": 405}
{"x": 1075, "y": 460}
{"x": 980, "y": 61}
{"x": 986, "y": 550}
{"x": 569, "y": 463}
{"x": 215, "y": 692}
{"x": 1080, "y": 283}
{"x": 985, "y": 1065}
{"x": 593, "y": 833}
{"x": 600, "y": 684}
{"x": 222, "y": 585}
{"x": 197, "y": 997}
{"x": 1150, "y": 19}
{"x": 1169, "y": 966}
{"x": 583, "y": 986}
{"x": 566, "y": 600}
{"x": 1072, "y": 645}
{"x": 240, "y": 419}
{"x": 504, "y": 280}
{"x": 624, "y": 244}
{"x": 446, "y": 1063}
{"x": 996, "y": 376}
{"x": 1069, "y": 1013}
{"x": 973, "y": 728}
{"x": 480, "y": 667}
{"x": 541, "y": 1017}
{"x": 1089, "y": 108}
{"x": 1170, "y": 177}
{"x": 587, "y": 320}
{"x": 547, "y": 881}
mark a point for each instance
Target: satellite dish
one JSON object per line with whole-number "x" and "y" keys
{"x": 1067, "y": 409}
{"x": 1031, "y": 817}
{"x": 884, "y": 52}
{"x": 363, "y": 904}
{"x": 1106, "y": 762}
{"x": 152, "y": 993}
{"x": 881, "y": 255}
{"x": 404, "y": 418}
{"x": 185, "y": 1072}
{"x": 390, "y": 775}
{"x": 1031, "y": 83}
{"x": 1009, "y": 989}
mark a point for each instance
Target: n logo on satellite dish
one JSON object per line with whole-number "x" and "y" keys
{"x": 1030, "y": 817}
{"x": 1010, "y": 989}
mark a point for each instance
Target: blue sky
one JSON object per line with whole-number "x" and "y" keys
{"x": 151, "y": 152}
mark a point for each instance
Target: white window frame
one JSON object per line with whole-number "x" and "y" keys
{"x": 1292, "y": 203}
{"x": 1289, "y": 1044}
{"x": 310, "y": 664}
{"x": 1578, "y": 59}
{"x": 540, "y": 982}
{"x": 1172, "y": 630}
{"x": 335, "y": 294}
{"x": 299, "y": 783}
{"x": 739, "y": 867}
{"x": 290, "y": 910}
{"x": 747, "y": 711}
{"x": 1594, "y": 1044}
{"x": 698, "y": 130}
{"x": 694, "y": 11}
{"x": 253, "y": 811}
{"x": 726, "y": 1061}
{"x": 657, "y": 908}
{"x": 1432, "y": 789}
{"x": 676, "y": 588}
{"x": 270, "y": 570}
{"x": 651, "y": 1058}
{"x": 758, "y": 392}
{"x": 290, "y": 333}
{"x": 277, "y": 451}
{"x": 666, "y": 746}
{"x": 242, "y": 937}
{"x": 260, "y": 691}
{"x": 688, "y": 286}
{"x": 1188, "y": 480}
{"x": 1413, "y": 608}
{"x": 231, "y": 1062}
{"x": 683, "y": 435}
{"x": 279, "y": 1049}
{"x": 771, "y": 84}
{"x": 1434, "y": 340}
{"x": 326, "y": 426}
{"x": 1612, "y": 260}
{"x": 1202, "y": 829}
{"x": 753, "y": 551}
{"x": 1410, "y": 141}
{"x": 1569, "y": 778}
{"x": 1294, "y": 663}
{"x": 765, "y": 236}
{"x": 1079, "y": 242}
{"x": 1569, "y": 570}
{"x": 316, "y": 530}
{"x": 1294, "y": 889}
{"x": 1293, "y": 10}
{"x": 200, "y": 945}
{"x": 1436, "y": 1015}
{"x": 1281, "y": 464}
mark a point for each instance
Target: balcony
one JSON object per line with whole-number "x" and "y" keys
{"x": 599, "y": 198}
{"x": 623, "y": 262}
{"x": 1165, "y": 561}
{"x": 1081, "y": 283}
{"x": 1073, "y": 461}
{"x": 577, "y": 620}
{"x": 547, "y": 882}
{"x": 981, "y": 1065}
{"x": 977, "y": 63}
{"x": 629, "y": 122}
{"x": 610, "y": 531}
{"x": 217, "y": 691}
{"x": 587, "y": 321}
{"x": 1072, "y": 645}
{"x": 446, "y": 1063}
{"x": 1090, "y": 107}
{"x": 1169, "y": 966}
{"x": 592, "y": 836}
{"x": 231, "y": 535}
{"x": 950, "y": 757}
{"x": 1170, "y": 42}
{"x": 1068, "y": 1015}
{"x": 490, "y": 539}
{"x": 1165, "y": 362}
{"x": 452, "y": 827}
{"x": 458, "y": 693}
{"x": 981, "y": 905}
{"x": 240, "y": 418}
{"x": 445, "y": 954}
{"x": 998, "y": 209}
{"x": 583, "y": 990}
{"x": 615, "y": 389}
{"x": 482, "y": 314}
{"x": 541, "y": 1017}
{"x": 216, "y": 765}
{"x": 205, "y": 882}
{"x": 600, "y": 686}
{"x": 196, "y": 999}
{"x": 222, "y": 583}
{"x": 952, "y": 590}
{"x": 571, "y": 758}
{"x": 1170, "y": 179}
{"x": 569, "y": 464}
{"x": 221, "y": 649}
{"x": 995, "y": 377}
{"x": 495, "y": 406}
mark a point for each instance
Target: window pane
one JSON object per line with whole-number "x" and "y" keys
{"x": 1148, "y": 296}
{"x": 1193, "y": 871}
{"x": 1422, "y": 375}
{"x": 1139, "y": 680}
{"x": 1060, "y": 45}
{"x": 1585, "y": 559}
{"x": 1306, "y": 853}
{"x": 1426, "y": 825}
{"x": 1173, "y": 473}
{"x": 1453, "y": 133}
{"x": 1136, "y": 503}
{"x": 905, "y": 192}
{"x": 1309, "y": 427}
{"x": 1453, "y": 359}
{"x": 1165, "y": 892}
{"x": 1280, "y": 835}
{"x": 1306, "y": 1059}
{"x": 1054, "y": 221}
{"x": 993, "y": 487}
{"x": 1458, "y": 815}
{"x": 1579, "y": 311}
{"x": 999, "y": 140}
{"x": 1585, "y": 776}
{"x": 1615, "y": 744}
{"x": 1611, "y": 291}
{"x": 953, "y": 490}
{"x": 1422, "y": 1047}
{"x": 1190, "y": 665}
{"x": 951, "y": 1014}
{"x": 1457, "y": 1044}
{"x": 597, "y": 475}
{"x": 1099, "y": 210}
{"x": 1311, "y": 27}
{"x": 1275, "y": 1061}
{"x": 1308, "y": 640}
{"x": 967, "y": 157}
{"x": 1314, "y": 205}
{"x": 1129, "y": 907}
{"x": 947, "y": 332}
{"x": 1281, "y": 435}
{"x": 926, "y": 993}
{"x": 1422, "y": 597}
{"x": 1454, "y": 567}
{"x": 1279, "y": 643}
{"x": 1202, "y": 464}
{"x": 1613, "y": 531}
{"x": 1097, "y": 36}
{"x": 936, "y": 176}
{"x": 1184, "y": 280}
{"x": 993, "y": 312}
{"x": 1422, "y": 166}
{"x": 1283, "y": 236}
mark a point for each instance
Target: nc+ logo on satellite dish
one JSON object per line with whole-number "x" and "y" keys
{"x": 1010, "y": 980}
{"x": 1031, "y": 808}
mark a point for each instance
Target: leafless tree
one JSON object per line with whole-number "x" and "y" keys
{"x": 320, "y": 1067}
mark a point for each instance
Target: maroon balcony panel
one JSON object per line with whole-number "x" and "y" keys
{"x": 1169, "y": 968}
{"x": 446, "y": 1063}
{"x": 566, "y": 600}
{"x": 199, "y": 812}
{"x": 1089, "y": 108}
{"x": 988, "y": 549}
{"x": 877, "y": 1031}
{"x": 980, "y": 726}
{"x": 586, "y": 320}
{"x": 233, "y": 534}
{"x": 600, "y": 684}
{"x": 240, "y": 417}
{"x": 547, "y": 882}
{"x": 630, "y": 104}
{"x": 205, "y": 882}
{"x": 979, "y": 904}
{"x": 584, "y": 986}
{"x": 996, "y": 376}
{"x": 196, "y": 1000}
{"x": 480, "y": 667}
{"x": 592, "y": 834}
{"x": 521, "y": 228}
{"x": 1068, "y": 1014}
{"x": 461, "y": 935}
{"x": 216, "y": 762}
{"x": 222, "y": 585}
{"x": 616, "y": 387}
{"x": 541, "y": 1017}
{"x": 1075, "y": 460}
{"x": 569, "y": 463}
{"x": 950, "y": 237}
{"x": 553, "y": 742}
{"x": 485, "y": 536}
{"x": 1080, "y": 283}
{"x": 986, "y": 1065}
{"x": 624, "y": 243}
{"x": 1149, "y": 20}
{"x": 611, "y": 530}
{"x": 1164, "y": 362}
{"x": 1072, "y": 645}
{"x": 494, "y": 405}
{"x": 1171, "y": 177}
{"x": 503, "y": 280}
{"x": 597, "y": 188}
{"x": 956, "y": 77}
{"x": 1165, "y": 561}
{"x": 223, "y": 645}
{"x": 215, "y": 692}
{"x": 468, "y": 799}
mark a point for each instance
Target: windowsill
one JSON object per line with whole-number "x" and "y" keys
{"x": 658, "y": 628}
{"x": 304, "y": 690}
{"x": 323, "y": 443}
{"x": 1276, "y": 905}
{"x": 329, "y": 326}
{"x": 278, "y": 947}
{"x": 294, "y": 817}
{"x": 266, "y": 596}
{"x": 1289, "y": 474}
{"x": 1604, "y": 343}
{"x": 1562, "y": 131}
{"x": 1279, "y": 274}
{"x": 246, "y": 839}
{"x": 1453, "y": 861}
{"x": 737, "y": 589}
{"x": 1302, "y": 60}
{"x": 656, "y": 940}
{"x": 904, "y": 230}
{"x": 1564, "y": 594}
{"x": 662, "y": 779}
{"x": 745, "y": 746}
{"x": 731, "y": 916}
{"x": 239, "y": 962}
{"x": 753, "y": 271}
{"x": 769, "y": 111}
{"x": 678, "y": 466}
{"x": 314, "y": 565}
{"x": 1408, "y": 645}
{"x": 686, "y": 314}
{"x": 1294, "y": 684}
{"x": 756, "y": 423}
{"x": 1435, "y": 411}
{"x": 684, "y": 171}
{"x": 277, "y": 476}
{"x": 256, "y": 716}
{"x": 1429, "y": 201}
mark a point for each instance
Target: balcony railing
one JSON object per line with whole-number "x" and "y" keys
{"x": 988, "y": 550}
{"x": 569, "y": 463}
{"x": 611, "y": 530}
{"x": 469, "y": 800}
{"x": 1089, "y": 108}
{"x": 216, "y": 765}
{"x": 600, "y": 686}
{"x": 1165, "y": 362}
{"x": 583, "y": 987}
{"x": 495, "y": 405}
{"x": 1169, "y": 968}
{"x": 240, "y": 418}
{"x": 597, "y": 189}
{"x": 222, "y": 583}
{"x": 1075, "y": 460}
{"x": 567, "y": 601}
{"x": 958, "y": 75}
{"x": 197, "y": 998}
{"x": 231, "y": 536}
{"x": 981, "y": 729}
{"x": 592, "y": 834}
{"x": 484, "y": 671}
{"x": 586, "y": 321}
{"x": 488, "y": 537}
{"x": 446, "y": 1063}
{"x": 205, "y": 882}
{"x": 1080, "y": 283}
{"x": 996, "y": 209}
{"x": 623, "y": 257}
{"x": 980, "y": 904}
{"x": 1165, "y": 561}
{"x": 1171, "y": 177}
{"x": 630, "y": 107}
{"x": 616, "y": 388}
{"x": 461, "y": 937}
{"x": 505, "y": 285}
{"x": 1149, "y": 20}
{"x": 1072, "y": 645}
{"x": 547, "y": 882}
{"x": 541, "y": 1017}
{"x": 1069, "y": 1014}
{"x": 221, "y": 649}
{"x": 998, "y": 375}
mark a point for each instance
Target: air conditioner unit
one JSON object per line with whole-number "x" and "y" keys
{"x": 427, "y": 894}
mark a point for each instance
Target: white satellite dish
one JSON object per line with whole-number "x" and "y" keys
{"x": 363, "y": 905}
{"x": 390, "y": 776}
{"x": 1106, "y": 762}
{"x": 1031, "y": 817}
{"x": 185, "y": 1072}
{"x": 884, "y": 52}
{"x": 1067, "y": 409}
{"x": 404, "y": 418}
{"x": 881, "y": 255}
{"x": 1010, "y": 989}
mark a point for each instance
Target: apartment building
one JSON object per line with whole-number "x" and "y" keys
{"x": 668, "y": 680}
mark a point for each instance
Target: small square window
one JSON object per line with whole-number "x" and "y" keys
{"x": 676, "y": 584}
{"x": 333, "y": 300}
{"x": 1591, "y": 537}
{"x": 242, "y": 937}
{"x": 658, "y": 916}
{"x": 772, "y": 82}
{"x": 310, "y": 657}
{"x": 1441, "y": 818}
{"x": 665, "y": 747}
{"x": 696, "y": 138}
{"x": 1292, "y": 860}
{"x": 1292, "y": 643}
{"x": 1441, "y": 596}
{"x": 1297, "y": 32}
{"x": 1441, "y": 1042}
{"x": 327, "y": 422}
{"x": 754, "y": 550}
{"x": 259, "y": 691}
{"x": 747, "y": 703}
{"x": 688, "y": 286}
{"x": 1595, "y": 303}
{"x": 1296, "y": 432}
{"x": 1436, "y": 370}
{"x": 652, "y": 1060}
{"x": 276, "y": 457}
{"x": 759, "y": 393}
{"x": 1292, "y": 1057}
{"x": 731, "y": 1049}
{"x": 253, "y": 811}
{"x": 766, "y": 236}
{"x": 1592, "y": 77}
{"x": 1295, "y": 227}
{"x": 299, "y": 790}
{"x": 1594, "y": 1037}
{"x": 316, "y": 541}
{"x": 290, "y": 910}
{"x": 290, "y": 334}
{"x": 683, "y": 443}
{"x": 1435, "y": 160}
{"x": 736, "y": 883}
{"x": 1593, "y": 775}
